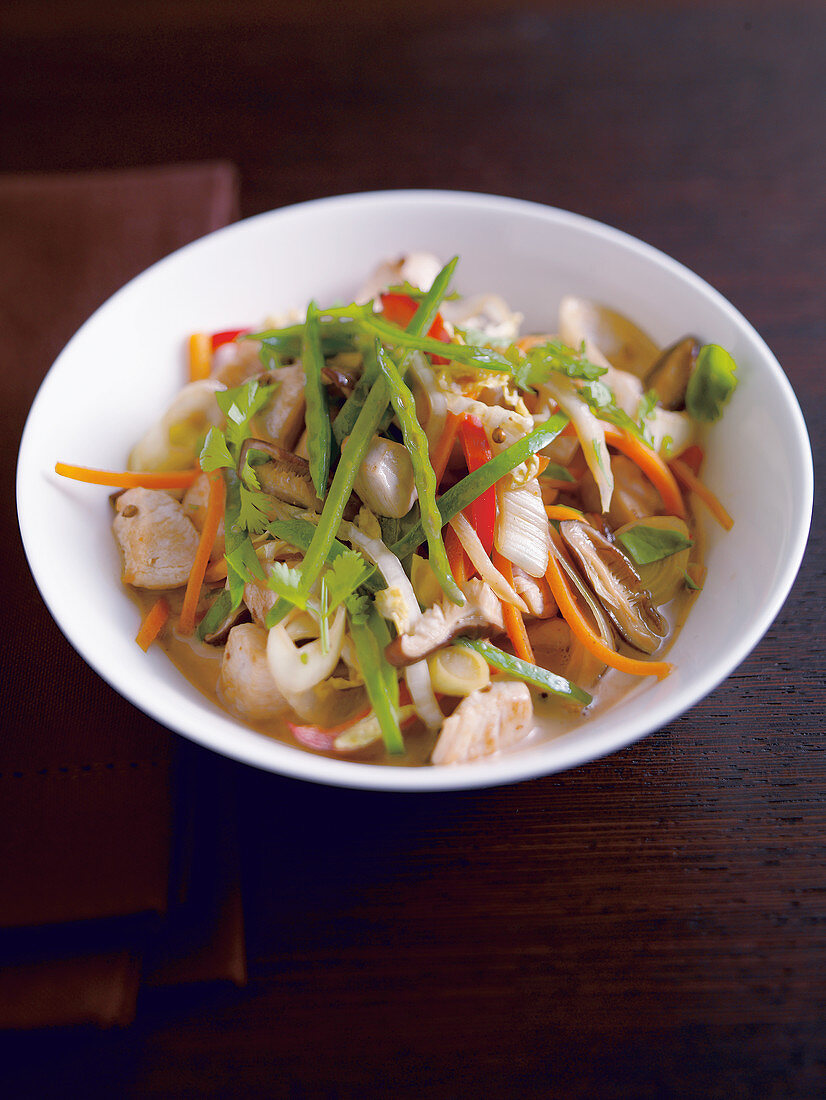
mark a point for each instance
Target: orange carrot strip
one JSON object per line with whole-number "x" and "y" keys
{"x": 153, "y": 623}
{"x": 200, "y": 356}
{"x": 441, "y": 452}
{"x": 651, "y": 465}
{"x": 214, "y": 512}
{"x": 128, "y": 479}
{"x": 512, "y": 616}
{"x": 456, "y": 557}
{"x": 694, "y": 485}
{"x": 581, "y": 630}
{"x": 562, "y": 511}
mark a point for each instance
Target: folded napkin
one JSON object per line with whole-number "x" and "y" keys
{"x": 98, "y": 803}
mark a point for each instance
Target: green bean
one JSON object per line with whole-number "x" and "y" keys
{"x": 361, "y": 436}
{"x": 348, "y": 414}
{"x": 416, "y": 443}
{"x": 464, "y": 492}
{"x": 319, "y": 432}
{"x": 380, "y": 680}
{"x": 524, "y": 670}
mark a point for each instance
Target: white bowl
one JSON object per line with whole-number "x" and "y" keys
{"x": 120, "y": 370}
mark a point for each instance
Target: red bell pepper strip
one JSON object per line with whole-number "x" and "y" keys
{"x": 481, "y": 513}
{"x": 220, "y": 338}
{"x": 399, "y": 308}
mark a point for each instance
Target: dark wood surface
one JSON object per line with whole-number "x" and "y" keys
{"x": 652, "y": 924}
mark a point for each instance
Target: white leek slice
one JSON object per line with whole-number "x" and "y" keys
{"x": 472, "y": 545}
{"x": 590, "y": 432}
{"x": 522, "y": 527}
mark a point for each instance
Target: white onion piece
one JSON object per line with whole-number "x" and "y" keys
{"x": 297, "y": 669}
{"x": 522, "y": 528}
{"x": 472, "y": 545}
{"x": 589, "y": 430}
{"x": 417, "y": 678}
{"x": 672, "y": 428}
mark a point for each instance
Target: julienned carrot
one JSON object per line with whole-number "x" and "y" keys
{"x": 200, "y": 356}
{"x": 441, "y": 452}
{"x": 214, "y": 512}
{"x": 512, "y": 616}
{"x": 651, "y": 465}
{"x": 129, "y": 479}
{"x": 153, "y": 623}
{"x": 562, "y": 511}
{"x": 583, "y": 632}
{"x": 694, "y": 485}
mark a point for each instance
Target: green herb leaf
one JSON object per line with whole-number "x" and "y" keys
{"x": 689, "y": 583}
{"x": 536, "y": 365}
{"x": 347, "y": 572}
{"x": 285, "y": 581}
{"x": 711, "y": 384}
{"x": 239, "y": 406}
{"x": 649, "y": 544}
{"x": 253, "y": 513}
{"x": 215, "y": 453}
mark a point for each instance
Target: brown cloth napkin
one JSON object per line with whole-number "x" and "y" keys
{"x": 87, "y": 782}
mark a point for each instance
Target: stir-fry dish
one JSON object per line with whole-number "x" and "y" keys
{"x": 389, "y": 530}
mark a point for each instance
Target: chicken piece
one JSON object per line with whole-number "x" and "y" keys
{"x": 486, "y": 721}
{"x": 236, "y": 362}
{"x": 195, "y": 506}
{"x": 245, "y": 683}
{"x": 157, "y": 540}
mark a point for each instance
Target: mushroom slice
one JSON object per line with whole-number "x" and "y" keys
{"x": 282, "y": 418}
{"x": 157, "y": 540}
{"x": 486, "y": 721}
{"x": 616, "y": 584}
{"x": 623, "y": 344}
{"x": 481, "y": 616}
{"x": 669, "y": 376}
{"x": 285, "y": 476}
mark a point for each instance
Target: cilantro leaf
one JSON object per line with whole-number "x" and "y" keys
{"x": 711, "y": 384}
{"x": 535, "y": 366}
{"x": 239, "y": 406}
{"x": 650, "y": 544}
{"x": 285, "y": 581}
{"x": 215, "y": 453}
{"x": 347, "y": 572}
{"x": 254, "y": 510}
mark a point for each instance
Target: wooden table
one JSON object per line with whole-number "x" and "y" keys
{"x": 652, "y": 924}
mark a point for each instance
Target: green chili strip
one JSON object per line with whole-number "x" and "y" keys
{"x": 348, "y": 414}
{"x": 379, "y": 679}
{"x": 524, "y": 670}
{"x": 319, "y": 432}
{"x": 482, "y": 358}
{"x": 335, "y": 336}
{"x": 361, "y": 436}
{"x": 416, "y": 443}
{"x": 464, "y": 492}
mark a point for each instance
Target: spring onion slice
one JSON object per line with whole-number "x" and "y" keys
{"x": 415, "y": 441}
{"x": 319, "y": 432}
{"x": 523, "y": 670}
{"x": 460, "y": 495}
